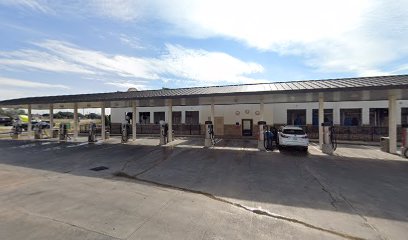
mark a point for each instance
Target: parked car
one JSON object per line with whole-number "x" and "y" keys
{"x": 7, "y": 121}
{"x": 44, "y": 125}
{"x": 292, "y": 136}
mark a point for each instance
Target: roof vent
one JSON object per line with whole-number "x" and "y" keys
{"x": 132, "y": 89}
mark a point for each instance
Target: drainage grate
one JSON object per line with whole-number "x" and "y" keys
{"x": 100, "y": 168}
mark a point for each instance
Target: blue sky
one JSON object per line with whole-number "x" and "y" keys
{"x": 68, "y": 47}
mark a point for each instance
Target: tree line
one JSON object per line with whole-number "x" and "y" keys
{"x": 13, "y": 113}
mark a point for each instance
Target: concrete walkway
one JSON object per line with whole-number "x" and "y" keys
{"x": 184, "y": 191}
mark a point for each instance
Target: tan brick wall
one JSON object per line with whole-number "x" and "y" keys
{"x": 232, "y": 130}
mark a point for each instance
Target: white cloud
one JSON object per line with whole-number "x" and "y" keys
{"x": 359, "y": 37}
{"x": 132, "y": 42}
{"x": 39, "y": 60}
{"x": 120, "y": 65}
{"x": 11, "y": 82}
{"x": 30, "y": 4}
{"x": 127, "y": 85}
{"x": 6, "y": 93}
{"x": 120, "y": 9}
{"x": 400, "y": 69}
{"x": 204, "y": 66}
{"x": 176, "y": 62}
{"x": 123, "y": 66}
{"x": 18, "y": 88}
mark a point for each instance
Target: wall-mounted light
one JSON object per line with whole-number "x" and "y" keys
{"x": 237, "y": 113}
{"x": 246, "y": 111}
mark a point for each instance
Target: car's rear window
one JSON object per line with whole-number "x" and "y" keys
{"x": 294, "y": 131}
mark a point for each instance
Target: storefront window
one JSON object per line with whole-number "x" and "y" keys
{"x": 328, "y": 116}
{"x": 296, "y": 117}
{"x": 192, "y": 117}
{"x": 144, "y": 117}
{"x": 351, "y": 117}
{"x": 159, "y": 116}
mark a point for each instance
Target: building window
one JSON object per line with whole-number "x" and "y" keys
{"x": 192, "y": 117}
{"x": 351, "y": 117}
{"x": 296, "y": 117}
{"x": 144, "y": 117}
{"x": 328, "y": 116}
{"x": 379, "y": 117}
{"x": 176, "y": 118}
{"x": 159, "y": 116}
{"x": 404, "y": 115}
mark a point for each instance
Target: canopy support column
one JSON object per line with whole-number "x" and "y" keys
{"x": 103, "y": 129}
{"x": 170, "y": 120}
{"x": 261, "y": 110}
{"x": 212, "y": 111}
{"x": 51, "y": 116}
{"x": 134, "y": 121}
{"x": 392, "y": 122}
{"x": 321, "y": 119}
{"x": 75, "y": 121}
{"x": 29, "y": 124}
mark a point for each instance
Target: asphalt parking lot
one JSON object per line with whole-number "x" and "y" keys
{"x": 184, "y": 191}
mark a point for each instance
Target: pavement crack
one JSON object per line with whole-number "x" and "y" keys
{"x": 362, "y": 217}
{"x": 157, "y": 163}
{"x": 69, "y": 224}
{"x": 238, "y": 205}
{"x": 334, "y": 200}
{"x": 167, "y": 156}
{"x": 132, "y": 158}
{"x": 324, "y": 188}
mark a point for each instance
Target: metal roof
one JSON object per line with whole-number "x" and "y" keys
{"x": 327, "y": 85}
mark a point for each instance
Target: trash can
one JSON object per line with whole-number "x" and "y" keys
{"x": 385, "y": 144}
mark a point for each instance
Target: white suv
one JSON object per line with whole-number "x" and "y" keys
{"x": 292, "y": 136}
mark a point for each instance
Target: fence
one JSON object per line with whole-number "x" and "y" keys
{"x": 354, "y": 133}
{"x": 349, "y": 133}
{"x": 179, "y": 129}
{"x": 85, "y": 128}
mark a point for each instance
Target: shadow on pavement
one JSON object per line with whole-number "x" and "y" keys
{"x": 367, "y": 187}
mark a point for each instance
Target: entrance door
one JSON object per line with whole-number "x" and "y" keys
{"x": 246, "y": 127}
{"x": 219, "y": 126}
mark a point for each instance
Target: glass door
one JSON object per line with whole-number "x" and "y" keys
{"x": 246, "y": 127}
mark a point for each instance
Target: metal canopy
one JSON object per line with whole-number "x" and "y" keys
{"x": 333, "y": 90}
